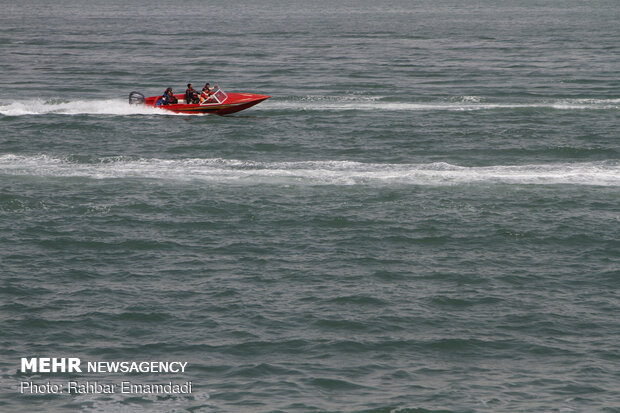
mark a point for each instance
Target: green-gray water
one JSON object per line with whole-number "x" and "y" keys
{"x": 424, "y": 217}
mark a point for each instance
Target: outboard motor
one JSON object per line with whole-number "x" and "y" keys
{"x": 136, "y": 98}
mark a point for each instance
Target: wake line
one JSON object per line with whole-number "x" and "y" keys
{"x": 317, "y": 103}
{"x": 603, "y": 173}
{"x": 118, "y": 107}
{"x": 115, "y": 107}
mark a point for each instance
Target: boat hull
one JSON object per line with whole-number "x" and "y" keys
{"x": 234, "y": 103}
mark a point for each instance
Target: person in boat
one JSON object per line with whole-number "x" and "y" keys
{"x": 167, "y": 98}
{"x": 207, "y": 91}
{"x": 191, "y": 96}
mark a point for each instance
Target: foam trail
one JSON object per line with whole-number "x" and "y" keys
{"x": 115, "y": 107}
{"x": 603, "y": 173}
{"x": 118, "y": 107}
{"x": 465, "y": 103}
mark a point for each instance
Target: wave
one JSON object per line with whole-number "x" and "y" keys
{"x": 115, "y": 107}
{"x": 602, "y": 173}
{"x": 118, "y": 107}
{"x": 463, "y": 103}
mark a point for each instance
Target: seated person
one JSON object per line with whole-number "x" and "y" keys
{"x": 191, "y": 96}
{"x": 171, "y": 98}
{"x": 207, "y": 91}
{"x": 167, "y": 98}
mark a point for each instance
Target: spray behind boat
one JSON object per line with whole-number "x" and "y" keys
{"x": 136, "y": 98}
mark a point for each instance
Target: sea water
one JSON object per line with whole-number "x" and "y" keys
{"x": 424, "y": 217}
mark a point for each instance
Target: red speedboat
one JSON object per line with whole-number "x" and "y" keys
{"x": 219, "y": 102}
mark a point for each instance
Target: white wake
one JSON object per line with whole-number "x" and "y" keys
{"x": 603, "y": 173}
{"x": 463, "y": 103}
{"x": 118, "y": 107}
{"x": 114, "y": 107}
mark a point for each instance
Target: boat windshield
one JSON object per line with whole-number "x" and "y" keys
{"x": 218, "y": 96}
